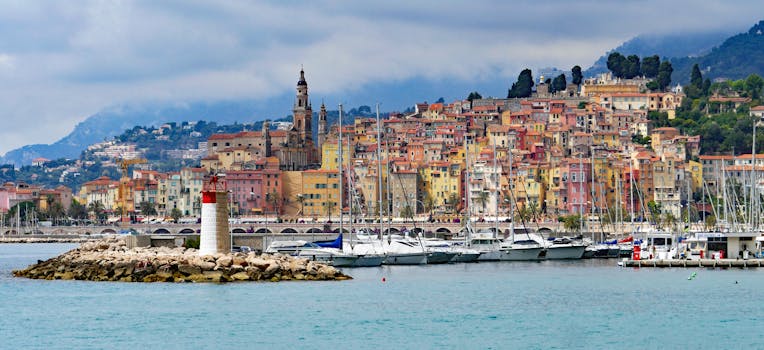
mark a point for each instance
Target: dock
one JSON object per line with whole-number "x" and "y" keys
{"x": 702, "y": 263}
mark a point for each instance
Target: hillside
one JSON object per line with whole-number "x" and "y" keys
{"x": 736, "y": 58}
{"x": 673, "y": 45}
{"x": 113, "y": 121}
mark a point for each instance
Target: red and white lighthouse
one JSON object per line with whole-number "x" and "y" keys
{"x": 214, "y": 237}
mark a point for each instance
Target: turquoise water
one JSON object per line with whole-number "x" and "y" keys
{"x": 548, "y": 305}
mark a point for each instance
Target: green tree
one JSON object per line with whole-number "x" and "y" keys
{"x": 98, "y": 210}
{"x": 572, "y": 223}
{"x": 523, "y": 86}
{"x": 176, "y": 214}
{"x": 650, "y": 65}
{"x": 407, "y": 212}
{"x": 274, "y": 199}
{"x": 664, "y": 75}
{"x": 474, "y": 96}
{"x": 147, "y": 208}
{"x": 616, "y": 64}
{"x": 696, "y": 78}
{"x": 300, "y": 199}
{"x": 632, "y": 68}
{"x": 577, "y": 75}
{"x": 77, "y": 211}
{"x": 559, "y": 83}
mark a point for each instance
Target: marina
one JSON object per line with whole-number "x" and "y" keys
{"x": 548, "y": 304}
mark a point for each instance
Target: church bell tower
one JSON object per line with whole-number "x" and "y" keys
{"x": 302, "y": 112}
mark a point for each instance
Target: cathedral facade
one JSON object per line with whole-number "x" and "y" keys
{"x": 294, "y": 148}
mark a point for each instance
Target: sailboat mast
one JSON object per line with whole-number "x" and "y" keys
{"x": 467, "y": 189}
{"x": 339, "y": 144}
{"x": 379, "y": 173}
{"x": 496, "y": 202}
{"x": 512, "y": 194}
{"x": 631, "y": 197}
{"x": 591, "y": 191}
{"x": 581, "y": 191}
{"x": 389, "y": 206}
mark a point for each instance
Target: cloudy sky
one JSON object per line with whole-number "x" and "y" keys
{"x": 61, "y": 61}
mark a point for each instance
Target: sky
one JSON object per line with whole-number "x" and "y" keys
{"x": 63, "y": 61}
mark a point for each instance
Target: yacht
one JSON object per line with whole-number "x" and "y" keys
{"x": 304, "y": 249}
{"x": 439, "y": 251}
{"x": 564, "y": 248}
{"x": 522, "y": 250}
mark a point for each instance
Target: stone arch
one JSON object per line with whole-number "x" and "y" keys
{"x": 238, "y": 230}
{"x": 545, "y": 231}
{"x": 315, "y": 230}
{"x": 263, "y": 230}
{"x": 187, "y": 231}
{"x": 108, "y": 231}
{"x": 417, "y": 231}
{"x": 11, "y": 232}
{"x": 289, "y": 230}
{"x": 337, "y": 230}
{"x": 161, "y": 230}
{"x": 443, "y": 230}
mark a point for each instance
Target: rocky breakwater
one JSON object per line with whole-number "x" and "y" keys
{"x": 110, "y": 260}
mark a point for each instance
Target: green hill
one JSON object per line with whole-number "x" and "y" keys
{"x": 736, "y": 58}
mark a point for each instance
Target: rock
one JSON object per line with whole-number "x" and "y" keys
{"x": 213, "y": 276}
{"x": 272, "y": 269}
{"x": 224, "y": 261}
{"x": 110, "y": 260}
{"x": 206, "y": 265}
{"x": 237, "y": 260}
{"x": 189, "y": 269}
{"x": 240, "y": 276}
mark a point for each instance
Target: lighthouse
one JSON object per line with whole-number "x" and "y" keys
{"x": 214, "y": 237}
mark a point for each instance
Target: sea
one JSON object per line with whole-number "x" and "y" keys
{"x": 586, "y": 304}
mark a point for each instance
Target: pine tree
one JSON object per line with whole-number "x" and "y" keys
{"x": 696, "y": 78}
{"x": 523, "y": 86}
{"x": 577, "y": 75}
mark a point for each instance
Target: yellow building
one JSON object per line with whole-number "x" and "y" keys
{"x": 330, "y": 154}
{"x": 444, "y": 180}
{"x": 320, "y": 190}
{"x": 234, "y": 158}
{"x": 291, "y": 192}
{"x": 610, "y": 139}
{"x": 695, "y": 170}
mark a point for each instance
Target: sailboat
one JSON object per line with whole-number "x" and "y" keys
{"x": 517, "y": 250}
{"x": 397, "y": 251}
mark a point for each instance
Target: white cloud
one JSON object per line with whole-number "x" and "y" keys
{"x": 61, "y": 63}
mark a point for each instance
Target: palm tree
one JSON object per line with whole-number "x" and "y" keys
{"x": 483, "y": 198}
{"x": 453, "y": 199}
{"x": 329, "y": 207}
{"x": 428, "y": 203}
{"x": 274, "y": 198}
{"x": 407, "y": 212}
{"x": 300, "y": 199}
{"x": 572, "y": 222}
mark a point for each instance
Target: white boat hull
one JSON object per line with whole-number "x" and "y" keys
{"x": 565, "y": 252}
{"x": 440, "y": 257}
{"x": 522, "y": 254}
{"x": 491, "y": 255}
{"x": 466, "y": 257}
{"x": 406, "y": 259}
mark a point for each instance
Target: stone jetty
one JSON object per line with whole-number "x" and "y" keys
{"x": 111, "y": 260}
